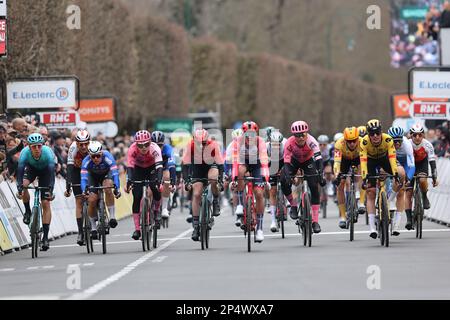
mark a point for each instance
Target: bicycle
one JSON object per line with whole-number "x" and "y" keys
{"x": 383, "y": 218}
{"x": 418, "y": 211}
{"x": 147, "y": 218}
{"x": 206, "y": 220}
{"x": 281, "y": 213}
{"x": 304, "y": 221}
{"x": 351, "y": 204}
{"x": 103, "y": 225}
{"x": 36, "y": 220}
{"x": 86, "y": 225}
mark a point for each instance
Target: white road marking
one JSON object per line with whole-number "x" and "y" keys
{"x": 48, "y": 267}
{"x": 86, "y": 294}
{"x": 33, "y": 268}
{"x": 7, "y": 269}
{"x": 159, "y": 259}
{"x": 90, "y": 264}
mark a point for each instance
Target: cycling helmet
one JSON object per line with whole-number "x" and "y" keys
{"x": 396, "y": 132}
{"x": 338, "y": 136}
{"x": 323, "y": 139}
{"x": 35, "y": 138}
{"x": 374, "y": 126}
{"x": 237, "y": 133}
{"x": 82, "y": 136}
{"x": 201, "y": 135}
{"x": 249, "y": 126}
{"x": 142, "y": 136}
{"x": 269, "y": 131}
{"x": 362, "y": 131}
{"x": 276, "y": 136}
{"x": 351, "y": 134}
{"x": 95, "y": 147}
{"x": 417, "y": 128}
{"x": 158, "y": 137}
{"x": 299, "y": 127}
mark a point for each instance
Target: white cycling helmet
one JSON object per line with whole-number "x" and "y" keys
{"x": 83, "y": 136}
{"x": 323, "y": 139}
{"x": 276, "y": 136}
{"x": 338, "y": 136}
{"x": 95, "y": 147}
{"x": 417, "y": 128}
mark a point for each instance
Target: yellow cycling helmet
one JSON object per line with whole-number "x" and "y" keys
{"x": 362, "y": 131}
{"x": 374, "y": 126}
{"x": 351, "y": 134}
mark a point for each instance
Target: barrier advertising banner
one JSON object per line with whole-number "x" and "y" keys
{"x": 3, "y": 37}
{"x": 430, "y": 110}
{"x": 97, "y": 109}
{"x": 56, "y": 120}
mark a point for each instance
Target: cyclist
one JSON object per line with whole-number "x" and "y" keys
{"x": 423, "y": 155}
{"x": 169, "y": 171}
{"x": 268, "y": 131}
{"x": 362, "y": 200}
{"x": 302, "y": 152}
{"x": 346, "y": 156}
{"x": 202, "y": 160}
{"x": 327, "y": 158}
{"x": 97, "y": 169}
{"x": 177, "y": 159}
{"x": 249, "y": 156}
{"x": 77, "y": 152}
{"x": 377, "y": 150}
{"x": 145, "y": 162}
{"x": 237, "y": 196}
{"x": 406, "y": 166}
{"x": 37, "y": 161}
{"x": 275, "y": 152}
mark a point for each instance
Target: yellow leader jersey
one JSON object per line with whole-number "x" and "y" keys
{"x": 341, "y": 150}
{"x": 385, "y": 148}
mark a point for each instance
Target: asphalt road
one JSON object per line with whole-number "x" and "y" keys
{"x": 333, "y": 268}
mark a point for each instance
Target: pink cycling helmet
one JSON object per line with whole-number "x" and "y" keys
{"x": 142, "y": 136}
{"x": 299, "y": 127}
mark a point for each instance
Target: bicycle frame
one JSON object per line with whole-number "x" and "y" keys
{"x": 36, "y": 220}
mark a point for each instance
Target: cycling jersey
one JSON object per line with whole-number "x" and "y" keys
{"x": 168, "y": 157}
{"x": 302, "y": 154}
{"x": 45, "y": 162}
{"x": 137, "y": 159}
{"x": 326, "y": 153}
{"x": 106, "y": 166}
{"x": 75, "y": 157}
{"x": 198, "y": 154}
{"x": 342, "y": 151}
{"x": 405, "y": 156}
{"x": 423, "y": 150}
{"x": 385, "y": 150}
{"x": 250, "y": 151}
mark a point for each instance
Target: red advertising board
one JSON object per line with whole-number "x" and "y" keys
{"x": 3, "y": 37}
{"x": 428, "y": 110}
{"x": 401, "y": 105}
{"x": 59, "y": 119}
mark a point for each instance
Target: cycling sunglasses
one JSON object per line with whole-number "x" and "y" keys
{"x": 415, "y": 135}
{"x": 300, "y": 135}
{"x": 36, "y": 146}
{"x": 376, "y": 133}
{"x": 144, "y": 145}
{"x": 400, "y": 141}
{"x": 96, "y": 156}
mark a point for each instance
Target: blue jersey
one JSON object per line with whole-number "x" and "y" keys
{"x": 45, "y": 161}
{"x": 167, "y": 155}
{"x": 405, "y": 156}
{"x": 107, "y": 164}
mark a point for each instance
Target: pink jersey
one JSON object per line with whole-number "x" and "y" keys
{"x": 302, "y": 154}
{"x": 136, "y": 158}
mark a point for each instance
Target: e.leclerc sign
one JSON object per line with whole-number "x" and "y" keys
{"x": 431, "y": 85}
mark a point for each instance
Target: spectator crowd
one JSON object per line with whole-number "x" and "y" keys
{"x": 417, "y": 43}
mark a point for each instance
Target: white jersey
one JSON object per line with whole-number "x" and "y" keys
{"x": 423, "y": 151}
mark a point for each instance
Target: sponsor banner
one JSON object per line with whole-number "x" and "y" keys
{"x": 97, "y": 109}
{"x": 445, "y": 46}
{"x": 429, "y": 110}
{"x": 430, "y": 84}
{"x": 42, "y": 94}
{"x": 3, "y": 8}
{"x": 3, "y": 37}
{"x": 55, "y": 120}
